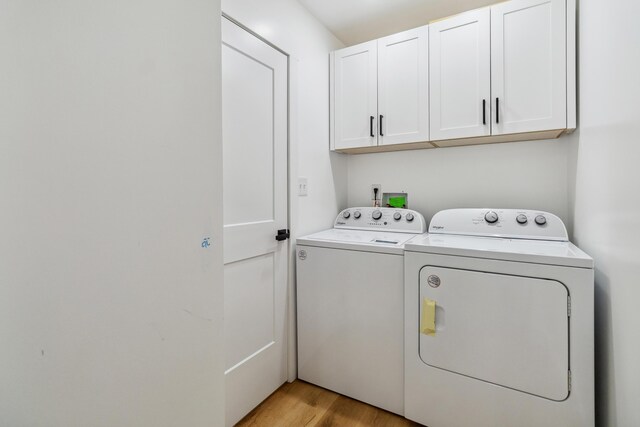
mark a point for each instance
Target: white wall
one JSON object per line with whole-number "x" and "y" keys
{"x": 110, "y": 172}
{"x": 528, "y": 175}
{"x": 607, "y": 199}
{"x": 289, "y": 26}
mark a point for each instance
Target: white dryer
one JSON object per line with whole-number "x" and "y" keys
{"x": 498, "y": 322}
{"x": 351, "y": 307}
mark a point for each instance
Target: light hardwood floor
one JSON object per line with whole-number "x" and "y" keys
{"x": 299, "y": 404}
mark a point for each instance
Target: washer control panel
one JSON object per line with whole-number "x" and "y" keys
{"x": 505, "y": 223}
{"x": 383, "y": 219}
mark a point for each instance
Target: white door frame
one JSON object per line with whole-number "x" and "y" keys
{"x": 292, "y": 211}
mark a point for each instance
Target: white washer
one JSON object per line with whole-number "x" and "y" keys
{"x": 499, "y": 322}
{"x": 350, "y": 304}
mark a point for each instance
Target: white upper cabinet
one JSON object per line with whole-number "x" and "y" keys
{"x": 528, "y": 66}
{"x": 356, "y": 99}
{"x": 403, "y": 87}
{"x": 459, "y": 73}
{"x": 381, "y": 91}
{"x": 496, "y": 74}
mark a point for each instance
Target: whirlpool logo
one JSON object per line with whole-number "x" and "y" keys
{"x": 438, "y": 227}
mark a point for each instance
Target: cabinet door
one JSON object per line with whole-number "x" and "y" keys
{"x": 356, "y": 80}
{"x": 459, "y": 73}
{"x": 528, "y": 66}
{"x": 403, "y": 87}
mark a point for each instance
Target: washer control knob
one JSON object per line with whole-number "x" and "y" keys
{"x": 409, "y": 217}
{"x": 357, "y": 214}
{"x": 376, "y": 215}
{"x": 541, "y": 220}
{"x": 346, "y": 214}
{"x": 491, "y": 217}
{"x": 397, "y": 216}
{"x": 521, "y": 219}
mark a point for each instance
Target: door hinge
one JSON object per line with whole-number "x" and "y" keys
{"x": 282, "y": 234}
{"x": 568, "y": 305}
{"x": 569, "y": 378}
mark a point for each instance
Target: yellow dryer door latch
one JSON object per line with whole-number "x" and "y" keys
{"x": 428, "y": 318}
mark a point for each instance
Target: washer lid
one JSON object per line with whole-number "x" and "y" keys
{"x": 362, "y": 240}
{"x": 533, "y": 251}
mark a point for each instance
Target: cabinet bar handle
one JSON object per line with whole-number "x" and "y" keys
{"x": 484, "y": 111}
{"x": 497, "y": 110}
{"x": 371, "y": 118}
{"x": 381, "y": 116}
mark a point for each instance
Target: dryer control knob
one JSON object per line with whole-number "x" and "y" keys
{"x": 541, "y": 220}
{"x": 491, "y": 217}
{"x": 521, "y": 219}
{"x": 346, "y": 214}
{"x": 357, "y": 214}
{"x": 376, "y": 215}
{"x": 409, "y": 217}
{"x": 397, "y": 216}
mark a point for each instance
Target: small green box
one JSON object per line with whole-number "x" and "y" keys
{"x": 395, "y": 200}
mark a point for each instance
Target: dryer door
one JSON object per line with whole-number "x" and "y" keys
{"x": 507, "y": 330}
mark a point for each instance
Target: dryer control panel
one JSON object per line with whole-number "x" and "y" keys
{"x": 382, "y": 219}
{"x": 503, "y": 223}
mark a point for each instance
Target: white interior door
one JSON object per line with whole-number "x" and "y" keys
{"x": 403, "y": 87}
{"x": 356, "y": 96}
{"x": 507, "y": 330}
{"x": 460, "y": 81}
{"x": 528, "y": 66}
{"x": 254, "y": 130}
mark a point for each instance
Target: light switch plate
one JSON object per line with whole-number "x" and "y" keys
{"x": 302, "y": 186}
